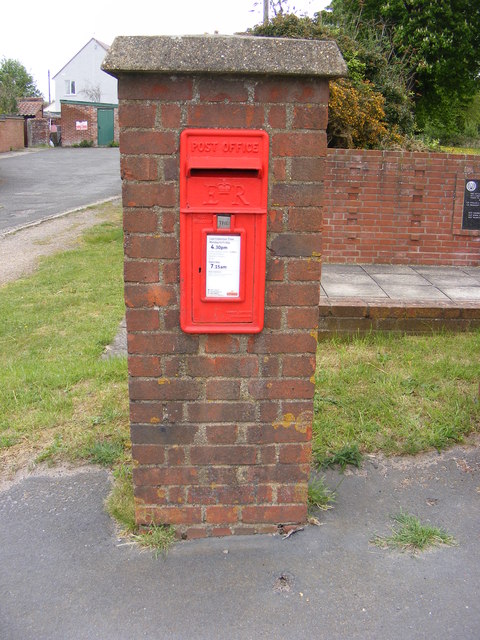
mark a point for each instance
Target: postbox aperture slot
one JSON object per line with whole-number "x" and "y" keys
{"x": 227, "y": 173}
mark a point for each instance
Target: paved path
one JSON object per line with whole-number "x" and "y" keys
{"x": 64, "y": 574}
{"x": 41, "y": 184}
{"x": 419, "y": 284}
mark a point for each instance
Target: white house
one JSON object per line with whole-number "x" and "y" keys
{"x": 86, "y": 99}
{"x": 82, "y": 80}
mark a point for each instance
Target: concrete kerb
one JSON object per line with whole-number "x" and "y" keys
{"x": 55, "y": 216}
{"x": 19, "y": 152}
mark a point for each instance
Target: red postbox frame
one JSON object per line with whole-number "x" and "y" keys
{"x": 223, "y": 172}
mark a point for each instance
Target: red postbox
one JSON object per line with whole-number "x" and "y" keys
{"x": 223, "y": 226}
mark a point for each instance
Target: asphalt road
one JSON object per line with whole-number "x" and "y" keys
{"x": 64, "y": 574}
{"x": 41, "y": 184}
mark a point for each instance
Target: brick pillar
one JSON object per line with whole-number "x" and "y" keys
{"x": 221, "y": 424}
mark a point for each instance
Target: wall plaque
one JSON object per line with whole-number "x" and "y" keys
{"x": 471, "y": 205}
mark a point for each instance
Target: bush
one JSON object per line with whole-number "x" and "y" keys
{"x": 357, "y": 117}
{"x": 370, "y": 109}
{"x": 83, "y": 143}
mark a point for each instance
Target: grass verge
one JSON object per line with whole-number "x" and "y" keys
{"x": 395, "y": 394}
{"x": 411, "y": 535}
{"x": 59, "y": 399}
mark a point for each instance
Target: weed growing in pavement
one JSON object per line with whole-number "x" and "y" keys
{"x": 348, "y": 455}
{"x": 411, "y": 535}
{"x": 120, "y": 506}
{"x": 158, "y": 538}
{"x": 120, "y": 502}
{"x": 83, "y": 143}
{"x": 319, "y": 495}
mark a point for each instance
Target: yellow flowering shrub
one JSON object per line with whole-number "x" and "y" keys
{"x": 357, "y": 116}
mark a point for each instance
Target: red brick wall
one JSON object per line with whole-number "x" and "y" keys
{"x": 71, "y": 113}
{"x": 11, "y": 133}
{"x": 221, "y": 424}
{"x": 398, "y": 207}
{"x": 38, "y": 131}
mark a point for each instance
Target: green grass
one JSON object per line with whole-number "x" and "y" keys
{"x": 58, "y": 398}
{"x": 462, "y": 150}
{"x": 411, "y": 535}
{"x": 395, "y": 394}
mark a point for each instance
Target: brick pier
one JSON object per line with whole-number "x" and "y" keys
{"x": 221, "y": 424}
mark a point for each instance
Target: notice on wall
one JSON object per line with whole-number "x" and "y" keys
{"x": 471, "y": 205}
{"x": 223, "y": 266}
{"x": 81, "y": 125}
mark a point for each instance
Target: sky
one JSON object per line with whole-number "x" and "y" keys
{"x": 45, "y": 36}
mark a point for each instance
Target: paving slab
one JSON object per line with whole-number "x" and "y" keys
{"x": 343, "y": 268}
{"x": 441, "y": 281}
{"x": 65, "y": 573}
{"x": 394, "y": 278}
{"x": 428, "y": 269}
{"x": 401, "y": 282}
{"x": 411, "y": 298}
{"x": 352, "y": 278}
{"x": 396, "y": 269}
{"x": 413, "y": 292}
{"x": 461, "y": 293}
{"x": 474, "y": 272}
{"x": 347, "y": 289}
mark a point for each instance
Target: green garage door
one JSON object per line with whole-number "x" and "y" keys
{"x": 105, "y": 126}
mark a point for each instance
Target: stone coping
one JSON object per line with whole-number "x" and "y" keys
{"x": 350, "y": 316}
{"x": 219, "y": 54}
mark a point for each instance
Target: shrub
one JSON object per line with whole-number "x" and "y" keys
{"x": 357, "y": 117}
{"x": 83, "y": 143}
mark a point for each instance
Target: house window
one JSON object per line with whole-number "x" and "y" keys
{"x": 70, "y": 87}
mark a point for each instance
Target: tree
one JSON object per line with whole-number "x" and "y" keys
{"x": 437, "y": 41}
{"x": 15, "y": 83}
{"x": 93, "y": 92}
{"x": 369, "y": 108}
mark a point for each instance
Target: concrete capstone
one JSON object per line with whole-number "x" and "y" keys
{"x": 218, "y": 54}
